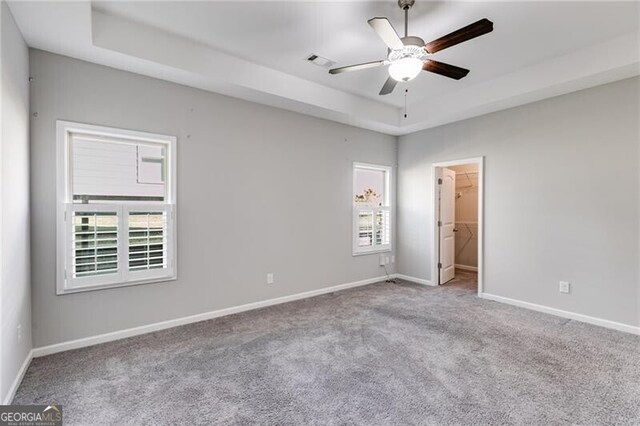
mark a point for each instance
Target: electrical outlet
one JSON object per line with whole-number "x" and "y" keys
{"x": 393, "y": 259}
{"x": 270, "y": 278}
{"x": 381, "y": 262}
{"x": 386, "y": 260}
{"x": 565, "y": 287}
{"x": 19, "y": 332}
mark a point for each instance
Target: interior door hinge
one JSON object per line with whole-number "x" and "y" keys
{"x": 439, "y": 181}
{"x": 439, "y": 223}
{"x": 439, "y": 265}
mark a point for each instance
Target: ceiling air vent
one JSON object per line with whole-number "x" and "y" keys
{"x": 320, "y": 61}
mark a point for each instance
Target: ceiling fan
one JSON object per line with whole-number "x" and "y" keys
{"x": 409, "y": 55}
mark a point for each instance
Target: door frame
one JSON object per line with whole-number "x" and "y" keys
{"x": 435, "y": 249}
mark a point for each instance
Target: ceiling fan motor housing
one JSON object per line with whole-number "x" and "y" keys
{"x": 413, "y": 48}
{"x": 413, "y": 41}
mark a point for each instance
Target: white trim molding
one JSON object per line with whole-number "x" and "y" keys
{"x": 11, "y": 393}
{"x": 627, "y": 328}
{"x": 373, "y": 210}
{"x": 149, "y": 328}
{"x": 414, "y": 279}
{"x": 479, "y": 161}
{"x": 466, "y": 268}
{"x": 66, "y": 282}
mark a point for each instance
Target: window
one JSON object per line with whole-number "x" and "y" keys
{"x": 116, "y": 214}
{"x": 371, "y": 208}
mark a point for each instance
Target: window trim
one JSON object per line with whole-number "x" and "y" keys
{"x": 386, "y": 248}
{"x": 64, "y": 201}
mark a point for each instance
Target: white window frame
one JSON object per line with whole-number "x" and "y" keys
{"x": 382, "y": 248}
{"x": 66, "y": 207}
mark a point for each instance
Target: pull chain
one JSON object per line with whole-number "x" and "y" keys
{"x": 405, "y": 102}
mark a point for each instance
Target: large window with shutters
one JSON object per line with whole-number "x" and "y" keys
{"x": 116, "y": 207}
{"x": 371, "y": 208}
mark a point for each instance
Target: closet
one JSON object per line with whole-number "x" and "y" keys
{"x": 466, "y": 217}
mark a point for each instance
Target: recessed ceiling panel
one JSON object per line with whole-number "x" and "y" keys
{"x": 281, "y": 35}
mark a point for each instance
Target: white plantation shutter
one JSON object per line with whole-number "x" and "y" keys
{"x": 364, "y": 227}
{"x": 383, "y": 226}
{"x": 93, "y": 236}
{"x": 373, "y": 228}
{"x": 149, "y": 241}
{"x": 111, "y": 243}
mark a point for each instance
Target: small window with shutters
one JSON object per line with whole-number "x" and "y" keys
{"x": 116, "y": 215}
{"x": 371, "y": 208}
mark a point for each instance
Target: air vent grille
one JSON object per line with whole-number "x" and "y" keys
{"x": 320, "y": 61}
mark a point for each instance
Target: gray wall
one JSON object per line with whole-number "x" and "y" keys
{"x": 561, "y": 199}
{"x": 14, "y": 187}
{"x": 259, "y": 190}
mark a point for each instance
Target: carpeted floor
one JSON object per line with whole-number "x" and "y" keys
{"x": 464, "y": 280}
{"x": 379, "y": 354}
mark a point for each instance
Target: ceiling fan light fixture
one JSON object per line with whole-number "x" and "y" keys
{"x": 409, "y": 55}
{"x": 405, "y": 69}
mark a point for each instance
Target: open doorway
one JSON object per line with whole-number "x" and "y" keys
{"x": 458, "y": 223}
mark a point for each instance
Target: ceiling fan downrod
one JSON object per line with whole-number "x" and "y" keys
{"x": 406, "y": 5}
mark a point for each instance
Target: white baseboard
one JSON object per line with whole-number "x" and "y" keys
{"x": 144, "y": 329}
{"x": 414, "y": 279}
{"x": 466, "y": 268}
{"x": 564, "y": 314}
{"x": 16, "y": 382}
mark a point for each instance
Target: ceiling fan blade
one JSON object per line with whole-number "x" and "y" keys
{"x": 474, "y": 30}
{"x": 358, "y": 67}
{"x": 386, "y": 32}
{"x": 388, "y": 86}
{"x": 447, "y": 70}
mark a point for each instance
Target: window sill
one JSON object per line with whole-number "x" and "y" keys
{"x": 62, "y": 292}
{"x": 377, "y": 251}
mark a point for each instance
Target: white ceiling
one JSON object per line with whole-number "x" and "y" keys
{"x": 537, "y": 50}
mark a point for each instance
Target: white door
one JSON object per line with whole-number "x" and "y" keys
{"x": 446, "y": 224}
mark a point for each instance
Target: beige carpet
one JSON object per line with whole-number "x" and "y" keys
{"x": 379, "y": 354}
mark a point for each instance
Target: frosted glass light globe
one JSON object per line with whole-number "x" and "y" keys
{"x": 405, "y": 69}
